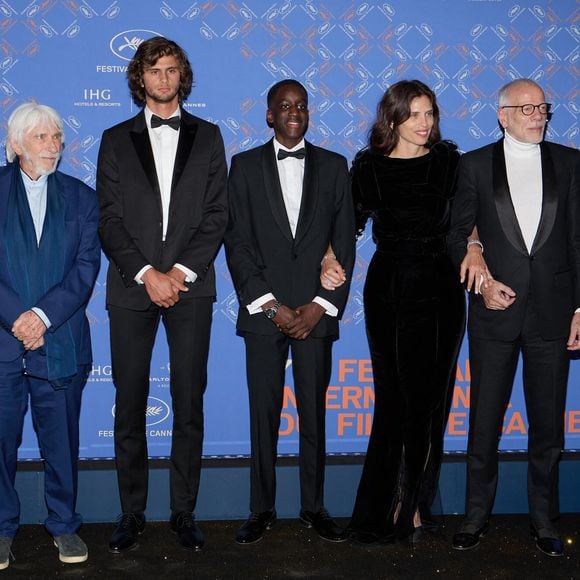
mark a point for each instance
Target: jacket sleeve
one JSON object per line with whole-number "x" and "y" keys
{"x": 239, "y": 239}
{"x": 64, "y": 299}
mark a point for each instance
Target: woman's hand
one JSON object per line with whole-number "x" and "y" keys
{"x": 474, "y": 268}
{"x": 332, "y": 275}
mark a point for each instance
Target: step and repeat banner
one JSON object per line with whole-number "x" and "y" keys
{"x": 73, "y": 55}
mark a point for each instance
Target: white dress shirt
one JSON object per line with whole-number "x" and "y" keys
{"x": 291, "y": 172}
{"x": 164, "y": 141}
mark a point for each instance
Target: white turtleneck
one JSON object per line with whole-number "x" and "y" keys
{"x": 524, "y": 174}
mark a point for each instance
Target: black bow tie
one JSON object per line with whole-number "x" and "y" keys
{"x": 156, "y": 121}
{"x": 299, "y": 153}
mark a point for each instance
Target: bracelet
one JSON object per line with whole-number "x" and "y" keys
{"x": 330, "y": 255}
{"x": 475, "y": 243}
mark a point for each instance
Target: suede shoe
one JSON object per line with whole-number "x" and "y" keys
{"x": 548, "y": 542}
{"x": 324, "y": 525}
{"x": 129, "y": 528}
{"x": 467, "y": 541}
{"x": 5, "y": 553}
{"x": 188, "y": 532}
{"x": 71, "y": 549}
{"x": 255, "y": 526}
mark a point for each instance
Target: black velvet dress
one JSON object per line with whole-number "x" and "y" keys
{"x": 415, "y": 318}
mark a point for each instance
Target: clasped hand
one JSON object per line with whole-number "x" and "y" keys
{"x": 497, "y": 296}
{"x": 298, "y": 323}
{"x": 29, "y": 329}
{"x": 163, "y": 289}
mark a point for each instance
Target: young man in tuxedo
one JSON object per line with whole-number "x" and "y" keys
{"x": 288, "y": 201}
{"x": 161, "y": 183}
{"x": 523, "y": 194}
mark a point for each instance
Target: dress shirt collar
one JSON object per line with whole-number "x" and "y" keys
{"x": 278, "y": 146}
{"x": 149, "y": 113}
{"x": 31, "y": 185}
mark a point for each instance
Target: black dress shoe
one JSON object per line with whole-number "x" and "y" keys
{"x": 129, "y": 528}
{"x": 188, "y": 532}
{"x": 467, "y": 541}
{"x": 550, "y": 545}
{"x": 429, "y": 523}
{"x": 369, "y": 539}
{"x": 255, "y": 526}
{"x": 324, "y": 525}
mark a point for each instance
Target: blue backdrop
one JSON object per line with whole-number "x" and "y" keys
{"x": 73, "y": 54}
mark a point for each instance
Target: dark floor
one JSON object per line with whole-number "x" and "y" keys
{"x": 291, "y": 551}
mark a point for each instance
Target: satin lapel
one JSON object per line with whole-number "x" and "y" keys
{"x": 187, "y": 131}
{"x": 274, "y": 190}
{"x": 140, "y": 138}
{"x": 503, "y": 201}
{"x": 549, "y": 198}
{"x": 309, "y": 193}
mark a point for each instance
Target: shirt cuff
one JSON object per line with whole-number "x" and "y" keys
{"x": 40, "y": 313}
{"x": 331, "y": 309}
{"x": 255, "y": 307}
{"x": 577, "y": 310}
{"x": 140, "y": 273}
{"x": 190, "y": 275}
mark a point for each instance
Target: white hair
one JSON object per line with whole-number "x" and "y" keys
{"x": 23, "y": 119}
{"x": 503, "y": 93}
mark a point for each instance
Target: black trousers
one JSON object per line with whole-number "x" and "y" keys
{"x": 266, "y": 357}
{"x": 133, "y": 332}
{"x": 545, "y": 376}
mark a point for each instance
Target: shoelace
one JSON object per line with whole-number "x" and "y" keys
{"x": 185, "y": 521}
{"x": 126, "y": 520}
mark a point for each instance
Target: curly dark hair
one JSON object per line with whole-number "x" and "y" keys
{"x": 148, "y": 53}
{"x": 394, "y": 109}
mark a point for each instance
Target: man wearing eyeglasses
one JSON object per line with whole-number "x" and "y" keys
{"x": 523, "y": 194}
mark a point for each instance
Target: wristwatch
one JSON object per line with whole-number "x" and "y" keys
{"x": 272, "y": 310}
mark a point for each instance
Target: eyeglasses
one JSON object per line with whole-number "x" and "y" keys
{"x": 529, "y": 109}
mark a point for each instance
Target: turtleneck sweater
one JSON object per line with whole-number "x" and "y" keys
{"x": 524, "y": 175}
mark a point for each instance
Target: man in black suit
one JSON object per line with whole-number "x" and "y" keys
{"x": 288, "y": 201}
{"x": 523, "y": 194}
{"x": 161, "y": 183}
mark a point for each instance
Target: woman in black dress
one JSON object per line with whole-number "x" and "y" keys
{"x": 414, "y": 306}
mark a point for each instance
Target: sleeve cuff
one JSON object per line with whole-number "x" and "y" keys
{"x": 141, "y": 272}
{"x": 255, "y": 307}
{"x": 330, "y": 308}
{"x": 577, "y": 311}
{"x": 190, "y": 275}
{"x": 40, "y": 313}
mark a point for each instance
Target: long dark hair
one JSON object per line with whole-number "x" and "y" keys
{"x": 395, "y": 108}
{"x": 148, "y": 53}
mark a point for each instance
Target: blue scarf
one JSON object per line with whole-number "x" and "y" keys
{"x": 34, "y": 269}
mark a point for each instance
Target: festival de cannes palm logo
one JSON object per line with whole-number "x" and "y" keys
{"x": 125, "y": 44}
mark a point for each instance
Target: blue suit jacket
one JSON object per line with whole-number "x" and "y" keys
{"x": 65, "y": 301}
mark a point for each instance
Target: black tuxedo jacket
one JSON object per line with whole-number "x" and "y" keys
{"x": 263, "y": 256}
{"x": 130, "y": 202}
{"x": 549, "y": 274}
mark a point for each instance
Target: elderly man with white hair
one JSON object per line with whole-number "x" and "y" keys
{"x": 49, "y": 259}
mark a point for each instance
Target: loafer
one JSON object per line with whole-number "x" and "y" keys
{"x": 5, "y": 552}
{"x": 255, "y": 526}
{"x": 467, "y": 541}
{"x": 324, "y": 525}
{"x": 548, "y": 542}
{"x": 71, "y": 549}
{"x": 129, "y": 528}
{"x": 188, "y": 533}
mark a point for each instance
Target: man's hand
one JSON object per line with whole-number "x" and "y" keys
{"x": 163, "y": 289}
{"x": 28, "y": 327}
{"x": 307, "y": 317}
{"x": 34, "y": 344}
{"x": 497, "y": 296}
{"x": 574, "y": 338}
{"x": 283, "y": 317}
{"x": 473, "y": 267}
{"x": 332, "y": 274}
